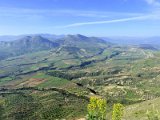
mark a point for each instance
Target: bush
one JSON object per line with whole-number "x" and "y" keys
{"x": 96, "y": 109}
{"x": 117, "y": 111}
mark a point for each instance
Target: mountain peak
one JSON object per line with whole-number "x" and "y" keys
{"x": 80, "y": 36}
{"x": 37, "y": 37}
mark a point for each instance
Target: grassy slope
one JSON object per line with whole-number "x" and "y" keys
{"x": 138, "y": 111}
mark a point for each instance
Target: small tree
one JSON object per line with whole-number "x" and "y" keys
{"x": 96, "y": 109}
{"x": 117, "y": 111}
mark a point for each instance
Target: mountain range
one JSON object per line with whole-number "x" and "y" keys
{"x": 33, "y": 43}
{"x": 123, "y": 40}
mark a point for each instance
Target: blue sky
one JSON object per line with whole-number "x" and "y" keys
{"x": 88, "y": 17}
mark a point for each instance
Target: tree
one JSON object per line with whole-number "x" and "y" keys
{"x": 96, "y": 109}
{"x": 117, "y": 111}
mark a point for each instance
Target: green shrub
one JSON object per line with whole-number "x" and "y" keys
{"x": 96, "y": 109}
{"x": 117, "y": 111}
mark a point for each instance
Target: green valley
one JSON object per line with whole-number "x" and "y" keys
{"x": 44, "y": 79}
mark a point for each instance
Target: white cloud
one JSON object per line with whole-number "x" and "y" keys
{"x": 108, "y": 21}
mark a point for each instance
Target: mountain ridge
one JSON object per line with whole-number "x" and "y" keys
{"x": 36, "y": 43}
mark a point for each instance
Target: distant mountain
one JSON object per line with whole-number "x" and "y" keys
{"x": 82, "y": 41}
{"x": 25, "y": 45}
{"x": 33, "y": 43}
{"x": 15, "y": 37}
{"x": 75, "y": 44}
{"x": 51, "y": 36}
{"x": 29, "y": 43}
{"x": 78, "y": 45}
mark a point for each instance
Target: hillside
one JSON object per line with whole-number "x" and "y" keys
{"x": 25, "y": 45}
{"x": 56, "y": 72}
{"x": 139, "y": 111}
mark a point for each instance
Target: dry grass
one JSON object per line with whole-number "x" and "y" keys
{"x": 138, "y": 111}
